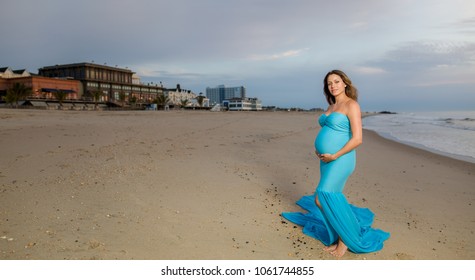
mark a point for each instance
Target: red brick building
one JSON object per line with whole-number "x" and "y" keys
{"x": 41, "y": 87}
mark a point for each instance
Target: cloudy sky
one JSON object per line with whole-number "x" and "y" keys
{"x": 403, "y": 55}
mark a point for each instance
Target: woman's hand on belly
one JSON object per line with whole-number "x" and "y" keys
{"x": 318, "y": 154}
{"x": 325, "y": 157}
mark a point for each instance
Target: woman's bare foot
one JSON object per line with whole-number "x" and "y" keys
{"x": 330, "y": 248}
{"x": 340, "y": 249}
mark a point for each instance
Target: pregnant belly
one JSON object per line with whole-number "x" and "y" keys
{"x": 329, "y": 141}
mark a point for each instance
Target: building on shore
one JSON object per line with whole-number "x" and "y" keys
{"x": 232, "y": 99}
{"x": 178, "y": 96}
{"x": 217, "y": 95}
{"x": 98, "y": 86}
{"x": 243, "y": 104}
{"x": 8, "y": 73}
{"x": 42, "y": 88}
{"x": 115, "y": 85}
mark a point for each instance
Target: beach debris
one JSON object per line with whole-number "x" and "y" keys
{"x": 93, "y": 244}
{"x": 29, "y": 245}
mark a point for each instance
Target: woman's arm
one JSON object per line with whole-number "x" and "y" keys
{"x": 354, "y": 115}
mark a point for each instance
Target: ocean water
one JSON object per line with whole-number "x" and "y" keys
{"x": 448, "y": 133}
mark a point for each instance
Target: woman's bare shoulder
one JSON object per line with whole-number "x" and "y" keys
{"x": 352, "y": 107}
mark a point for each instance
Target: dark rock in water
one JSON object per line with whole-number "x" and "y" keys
{"x": 387, "y": 112}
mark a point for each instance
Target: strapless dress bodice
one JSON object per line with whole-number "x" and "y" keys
{"x": 334, "y": 134}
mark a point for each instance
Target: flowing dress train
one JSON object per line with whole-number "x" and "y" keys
{"x": 337, "y": 218}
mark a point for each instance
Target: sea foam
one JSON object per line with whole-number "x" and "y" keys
{"x": 448, "y": 133}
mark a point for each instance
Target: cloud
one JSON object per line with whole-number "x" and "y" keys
{"x": 426, "y": 55}
{"x": 465, "y": 26}
{"x": 367, "y": 70}
{"x": 359, "y": 25}
{"x": 285, "y": 54}
{"x": 176, "y": 74}
{"x": 432, "y": 69}
{"x": 435, "y": 83}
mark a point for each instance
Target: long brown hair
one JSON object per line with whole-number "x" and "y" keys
{"x": 350, "y": 90}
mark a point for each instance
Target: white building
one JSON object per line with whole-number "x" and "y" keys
{"x": 243, "y": 104}
{"x": 7, "y": 72}
{"x": 176, "y": 96}
{"x": 135, "y": 79}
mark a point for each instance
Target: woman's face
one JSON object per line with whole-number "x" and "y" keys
{"x": 335, "y": 85}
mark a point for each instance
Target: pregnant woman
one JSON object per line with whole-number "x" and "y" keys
{"x": 330, "y": 218}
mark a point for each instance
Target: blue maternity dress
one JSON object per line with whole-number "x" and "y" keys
{"x": 337, "y": 218}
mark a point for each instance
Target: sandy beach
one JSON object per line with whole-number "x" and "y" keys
{"x": 210, "y": 185}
